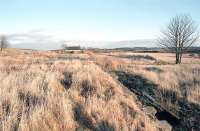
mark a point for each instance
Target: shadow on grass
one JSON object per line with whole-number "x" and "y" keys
{"x": 188, "y": 113}
{"x": 67, "y": 80}
{"x": 85, "y": 121}
{"x": 105, "y": 126}
{"x": 154, "y": 69}
{"x": 68, "y": 58}
{"x": 82, "y": 118}
{"x": 137, "y": 57}
{"x": 87, "y": 89}
{"x": 136, "y": 82}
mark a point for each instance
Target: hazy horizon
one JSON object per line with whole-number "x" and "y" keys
{"x": 89, "y": 44}
{"x": 54, "y": 22}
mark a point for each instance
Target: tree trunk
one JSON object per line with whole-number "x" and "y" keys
{"x": 180, "y": 59}
{"x": 177, "y": 56}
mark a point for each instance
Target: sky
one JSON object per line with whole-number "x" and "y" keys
{"x": 50, "y": 21}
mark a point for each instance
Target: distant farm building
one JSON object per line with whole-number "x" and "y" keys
{"x": 72, "y": 48}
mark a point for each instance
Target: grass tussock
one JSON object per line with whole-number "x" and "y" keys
{"x": 64, "y": 95}
{"x": 174, "y": 87}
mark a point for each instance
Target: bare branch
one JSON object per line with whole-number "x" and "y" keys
{"x": 180, "y": 34}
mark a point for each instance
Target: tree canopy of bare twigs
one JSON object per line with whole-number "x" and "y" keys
{"x": 3, "y": 42}
{"x": 180, "y": 34}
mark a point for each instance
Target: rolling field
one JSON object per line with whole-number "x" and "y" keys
{"x": 83, "y": 90}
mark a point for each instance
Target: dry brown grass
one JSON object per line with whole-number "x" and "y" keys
{"x": 182, "y": 79}
{"x": 38, "y": 93}
{"x": 175, "y": 87}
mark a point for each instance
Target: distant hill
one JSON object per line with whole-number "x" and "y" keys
{"x": 132, "y": 43}
{"x": 92, "y": 44}
{"x": 146, "y": 44}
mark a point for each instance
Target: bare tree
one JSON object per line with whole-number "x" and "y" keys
{"x": 3, "y": 42}
{"x": 180, "y": 34}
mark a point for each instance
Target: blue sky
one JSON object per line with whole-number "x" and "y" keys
{"x": 91, "y": 19}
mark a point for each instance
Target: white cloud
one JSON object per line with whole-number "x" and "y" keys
{"x": 51, "y": 36}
